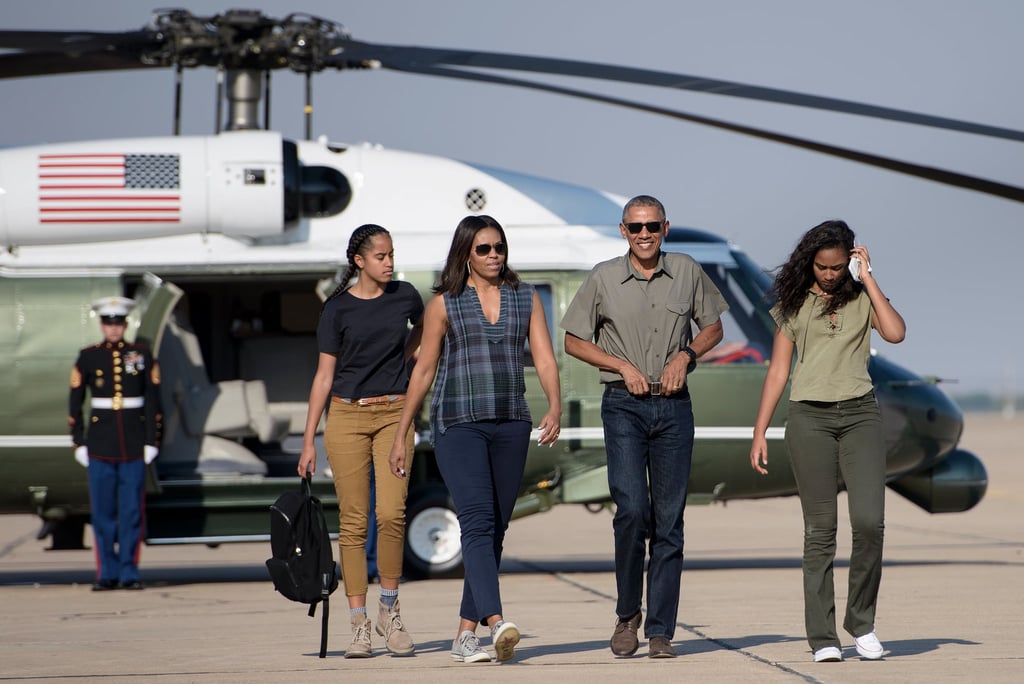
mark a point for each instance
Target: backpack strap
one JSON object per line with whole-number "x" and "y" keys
{"x": 307, "y": 490}
{"x": 323, "y": 626}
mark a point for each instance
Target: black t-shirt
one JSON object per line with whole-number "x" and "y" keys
{"x": 368, "y": 336}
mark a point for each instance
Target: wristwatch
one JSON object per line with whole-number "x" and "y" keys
{"x": 693, "y": 359}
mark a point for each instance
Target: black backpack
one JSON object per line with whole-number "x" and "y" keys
{"x": 302, "y": 565}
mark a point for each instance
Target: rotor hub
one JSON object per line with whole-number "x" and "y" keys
{"x": 243, "y": 39}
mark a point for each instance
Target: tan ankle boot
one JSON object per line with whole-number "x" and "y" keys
{"x": 360, "y": 646}
{"x": 389, "y": 626}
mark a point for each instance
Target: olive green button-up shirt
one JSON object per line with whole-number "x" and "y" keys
{"x": 832, "y": 352}
{"x": 645, "y": 322}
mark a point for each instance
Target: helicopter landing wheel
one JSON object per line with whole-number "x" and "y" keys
{"x": 433, "y": 547}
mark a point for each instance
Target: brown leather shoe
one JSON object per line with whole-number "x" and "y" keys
{"x": 661, "y": 647}
{"x": 624, "y": 641}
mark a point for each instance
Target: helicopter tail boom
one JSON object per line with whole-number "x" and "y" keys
{"x": 244, "y": 184}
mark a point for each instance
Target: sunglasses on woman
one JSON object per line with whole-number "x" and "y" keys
{"x": 483, "y": 249}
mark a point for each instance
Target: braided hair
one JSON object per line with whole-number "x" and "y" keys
{"x": 356, "y": 245}
{"x": 796, "y": 276}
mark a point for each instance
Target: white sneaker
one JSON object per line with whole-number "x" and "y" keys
{"x": 868, "y": 646}
{"x": 828, "y": 654}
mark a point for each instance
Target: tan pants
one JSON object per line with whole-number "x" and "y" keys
{"x": 356, "y": 437}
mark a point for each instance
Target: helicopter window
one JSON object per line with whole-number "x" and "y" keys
{"x": 290, "y": 159}
{"x": 756, "y": 284}
{"x": 747, "y": 326}
{"x": 547, "y": 299}
{"x": 325, "y": 191}
{"x": 746, "y": 337}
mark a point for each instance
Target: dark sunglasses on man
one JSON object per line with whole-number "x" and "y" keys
{"x": 483, "y": 249}
{"x": 651, "y": 226}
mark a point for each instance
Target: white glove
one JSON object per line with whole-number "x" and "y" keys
{"x": 149, "y": 453}
{"x": 82, "y": 456}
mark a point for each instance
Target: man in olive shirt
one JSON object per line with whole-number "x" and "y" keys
{"x": 631, "y": 320}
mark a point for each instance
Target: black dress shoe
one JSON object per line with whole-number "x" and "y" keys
{"x": 133, "y": 586}
{"x": 104, "y": 585}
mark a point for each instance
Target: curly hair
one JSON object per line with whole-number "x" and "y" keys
{"x": 356, "y": 245}
{"x": 796, "y": 276}
{"x": 454, "y": 275}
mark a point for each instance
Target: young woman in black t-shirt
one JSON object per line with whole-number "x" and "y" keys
{"x": 365, "y": 341}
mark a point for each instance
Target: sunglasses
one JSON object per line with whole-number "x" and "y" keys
{"x": 483, "y": 249}
{"x": 651, "y": 226}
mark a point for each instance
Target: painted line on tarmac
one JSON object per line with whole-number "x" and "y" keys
{"x": 688, "y": 628}
{"x": 15, "y": 543}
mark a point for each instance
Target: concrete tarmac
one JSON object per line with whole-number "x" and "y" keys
{"x": 950, "y": 606}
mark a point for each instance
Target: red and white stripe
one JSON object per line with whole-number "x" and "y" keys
{"x": 90, "y": 188}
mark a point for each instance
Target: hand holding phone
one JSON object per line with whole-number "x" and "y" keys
{"x": 855, "y": 268}
{"x": 856, "y": 264}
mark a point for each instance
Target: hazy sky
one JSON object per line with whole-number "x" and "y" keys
{"x": 947, "y": 258}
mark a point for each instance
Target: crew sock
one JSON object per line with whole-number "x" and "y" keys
{"x": 389, "y": 597}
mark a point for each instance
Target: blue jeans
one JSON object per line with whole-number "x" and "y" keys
{"x": 649, "y": 442}
{"x": 482, "y": 464}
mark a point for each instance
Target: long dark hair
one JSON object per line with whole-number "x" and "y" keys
{"x": 455, "y": 273}
{"x": 796, "y": 276}
{"x": 357, "y": 244}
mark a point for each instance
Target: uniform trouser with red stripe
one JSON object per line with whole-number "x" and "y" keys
{"x": 116, "y": 491}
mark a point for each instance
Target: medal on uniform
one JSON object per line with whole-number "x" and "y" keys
{"x": 134, "y": 362}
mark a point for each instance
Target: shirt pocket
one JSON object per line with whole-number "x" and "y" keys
{"x": 680, "y": 302}
{"x": 677, "y": 319}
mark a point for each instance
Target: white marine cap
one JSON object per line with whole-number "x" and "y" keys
{"x": 113, "y": 307}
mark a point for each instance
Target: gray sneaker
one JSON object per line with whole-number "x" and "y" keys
{"x": 360, "y": 646}
{"x": 504, "y": 637}
{"x": 466, "y": 649}
{"x": 389, "y": 626}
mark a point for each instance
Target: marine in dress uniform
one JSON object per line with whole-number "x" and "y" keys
{"x": 119, "y": 439}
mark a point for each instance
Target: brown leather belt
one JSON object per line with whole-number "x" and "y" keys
{"x": 382, "y": 400}
{"x": 654, "y": 387}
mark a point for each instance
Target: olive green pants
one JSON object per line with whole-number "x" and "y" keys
{"x": 832, "y": 445}
{"x": 356, "y": 439}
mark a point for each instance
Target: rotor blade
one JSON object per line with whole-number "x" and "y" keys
{"x": 55, "y": 63}
{"x": 71, "y": 42}
{"x": 953, "y": 178}
{"x": 405, "y": 58}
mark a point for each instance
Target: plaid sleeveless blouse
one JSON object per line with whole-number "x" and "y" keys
{"x": 480, "y": 375}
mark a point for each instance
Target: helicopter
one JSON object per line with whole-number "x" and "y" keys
{"x": 229, "y": 242}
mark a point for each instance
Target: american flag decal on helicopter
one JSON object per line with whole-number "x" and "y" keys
{"x": 109, "y": 188}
